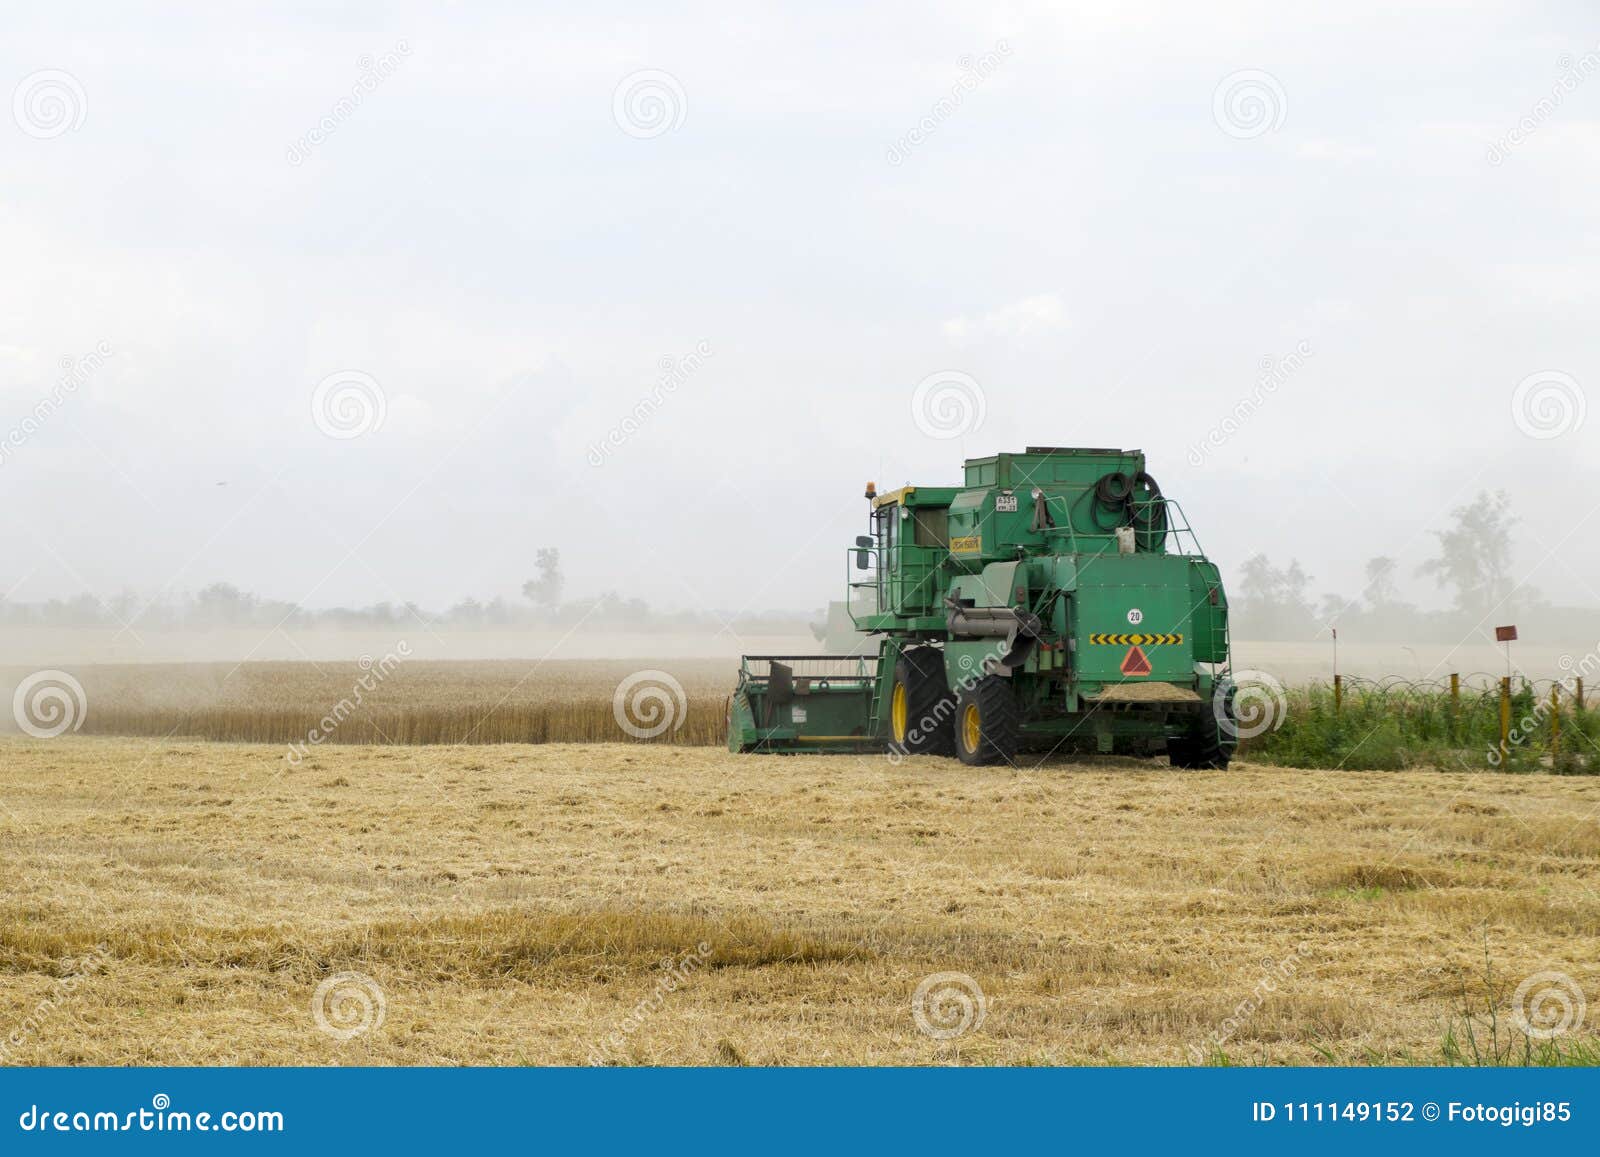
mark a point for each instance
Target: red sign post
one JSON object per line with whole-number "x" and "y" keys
{"x": 1506, "y": 635}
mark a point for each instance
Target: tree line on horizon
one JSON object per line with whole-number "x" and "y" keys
{"x": 1471, "y": 565}
{"x": 1267, "y": 601}
{"x": 223, "y": 605}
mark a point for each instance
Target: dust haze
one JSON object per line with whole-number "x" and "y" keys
{"x": 318, "y": 342}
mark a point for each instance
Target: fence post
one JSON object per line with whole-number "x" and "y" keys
{"x": 1505, "y": 716}
{"x": 1578, "y": 693}
{"x": 1338, "y": 693}
{"x": 1455, "y": 702}
{"x": 1555, "y": 720}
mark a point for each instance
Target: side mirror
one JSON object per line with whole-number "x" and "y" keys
{"x": 863, "y": 552}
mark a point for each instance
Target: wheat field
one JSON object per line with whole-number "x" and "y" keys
{"x": 200, "y": 903}
{"x": 409, "y": 701}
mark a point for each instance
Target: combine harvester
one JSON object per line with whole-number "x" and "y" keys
{"x": 1047, "y": 604}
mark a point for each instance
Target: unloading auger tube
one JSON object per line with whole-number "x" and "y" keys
{"x": 1020, "y": 629}
{"x": 1055, "y": 599}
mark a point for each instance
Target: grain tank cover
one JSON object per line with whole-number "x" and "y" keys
{"x": 1044, "y": 465}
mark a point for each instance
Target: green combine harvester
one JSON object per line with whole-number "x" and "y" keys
{"x": 1048, "y": 604}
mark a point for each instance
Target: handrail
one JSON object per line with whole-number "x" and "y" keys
{"x": 865, "y": 667}
{"x": 1072, "y": 531}
{"x": 875, "y": 583}
{"x": 1177, "y": 528}
{"x": 885, "y": 561}
{"x": 884, "y": 572}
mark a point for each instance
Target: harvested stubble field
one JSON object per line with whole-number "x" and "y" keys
{"x": 514, "y": 905}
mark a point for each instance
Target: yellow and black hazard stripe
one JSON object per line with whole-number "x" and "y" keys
{"x": 1136, "y": 640}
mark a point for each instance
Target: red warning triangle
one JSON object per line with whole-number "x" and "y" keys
{"x": 1135, "y": 662}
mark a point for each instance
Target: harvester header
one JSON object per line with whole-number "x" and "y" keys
{"x": 1056, "y": 599}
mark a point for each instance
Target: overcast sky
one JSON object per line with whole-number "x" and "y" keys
{"x": 485, "y": 229}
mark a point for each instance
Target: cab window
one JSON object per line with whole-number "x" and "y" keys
{"x": 932, "y": 527}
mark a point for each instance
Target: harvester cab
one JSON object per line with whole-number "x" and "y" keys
{"x": 1055, "y": 600}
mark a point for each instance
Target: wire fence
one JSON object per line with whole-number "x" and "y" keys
{"x": 1471, "y": 720}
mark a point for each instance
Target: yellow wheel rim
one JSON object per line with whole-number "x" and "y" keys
{"x": 897, "y": 712}
{"x": 971, "y": 728}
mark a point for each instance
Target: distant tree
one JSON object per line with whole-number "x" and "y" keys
{"x": 1381, "y": 591}
{"x": 224, "y": 603}
{"x": 1274, "y": 600}
{"x": 1295, "y": 582}
{"x": 1257, "y": 580}
{"x": 125, "y": 607}
{"x": 81, "y": 611}
{"x": 545, "y": 591}
{"x": 1475, "y": 554}
{"x": 1332, "y": 606}
{"x": 1266, "y": 585}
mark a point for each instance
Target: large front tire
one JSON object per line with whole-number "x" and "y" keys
{"x": 920, "y": 705}
{"x": 988, "y": 723}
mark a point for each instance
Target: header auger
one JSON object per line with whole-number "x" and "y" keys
{"x": 1057, "y": 600}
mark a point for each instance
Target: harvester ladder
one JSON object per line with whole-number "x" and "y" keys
{"x": 888, "y": 656}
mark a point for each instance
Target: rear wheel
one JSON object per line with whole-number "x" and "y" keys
{"x": 988, "y": 724}
{"x": 920, "y": 705}
{"x": 1210, "y": 742}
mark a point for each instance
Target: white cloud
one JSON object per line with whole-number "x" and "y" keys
{"x": 1335, "y": 151}
{"x": 1042, "y": 313}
